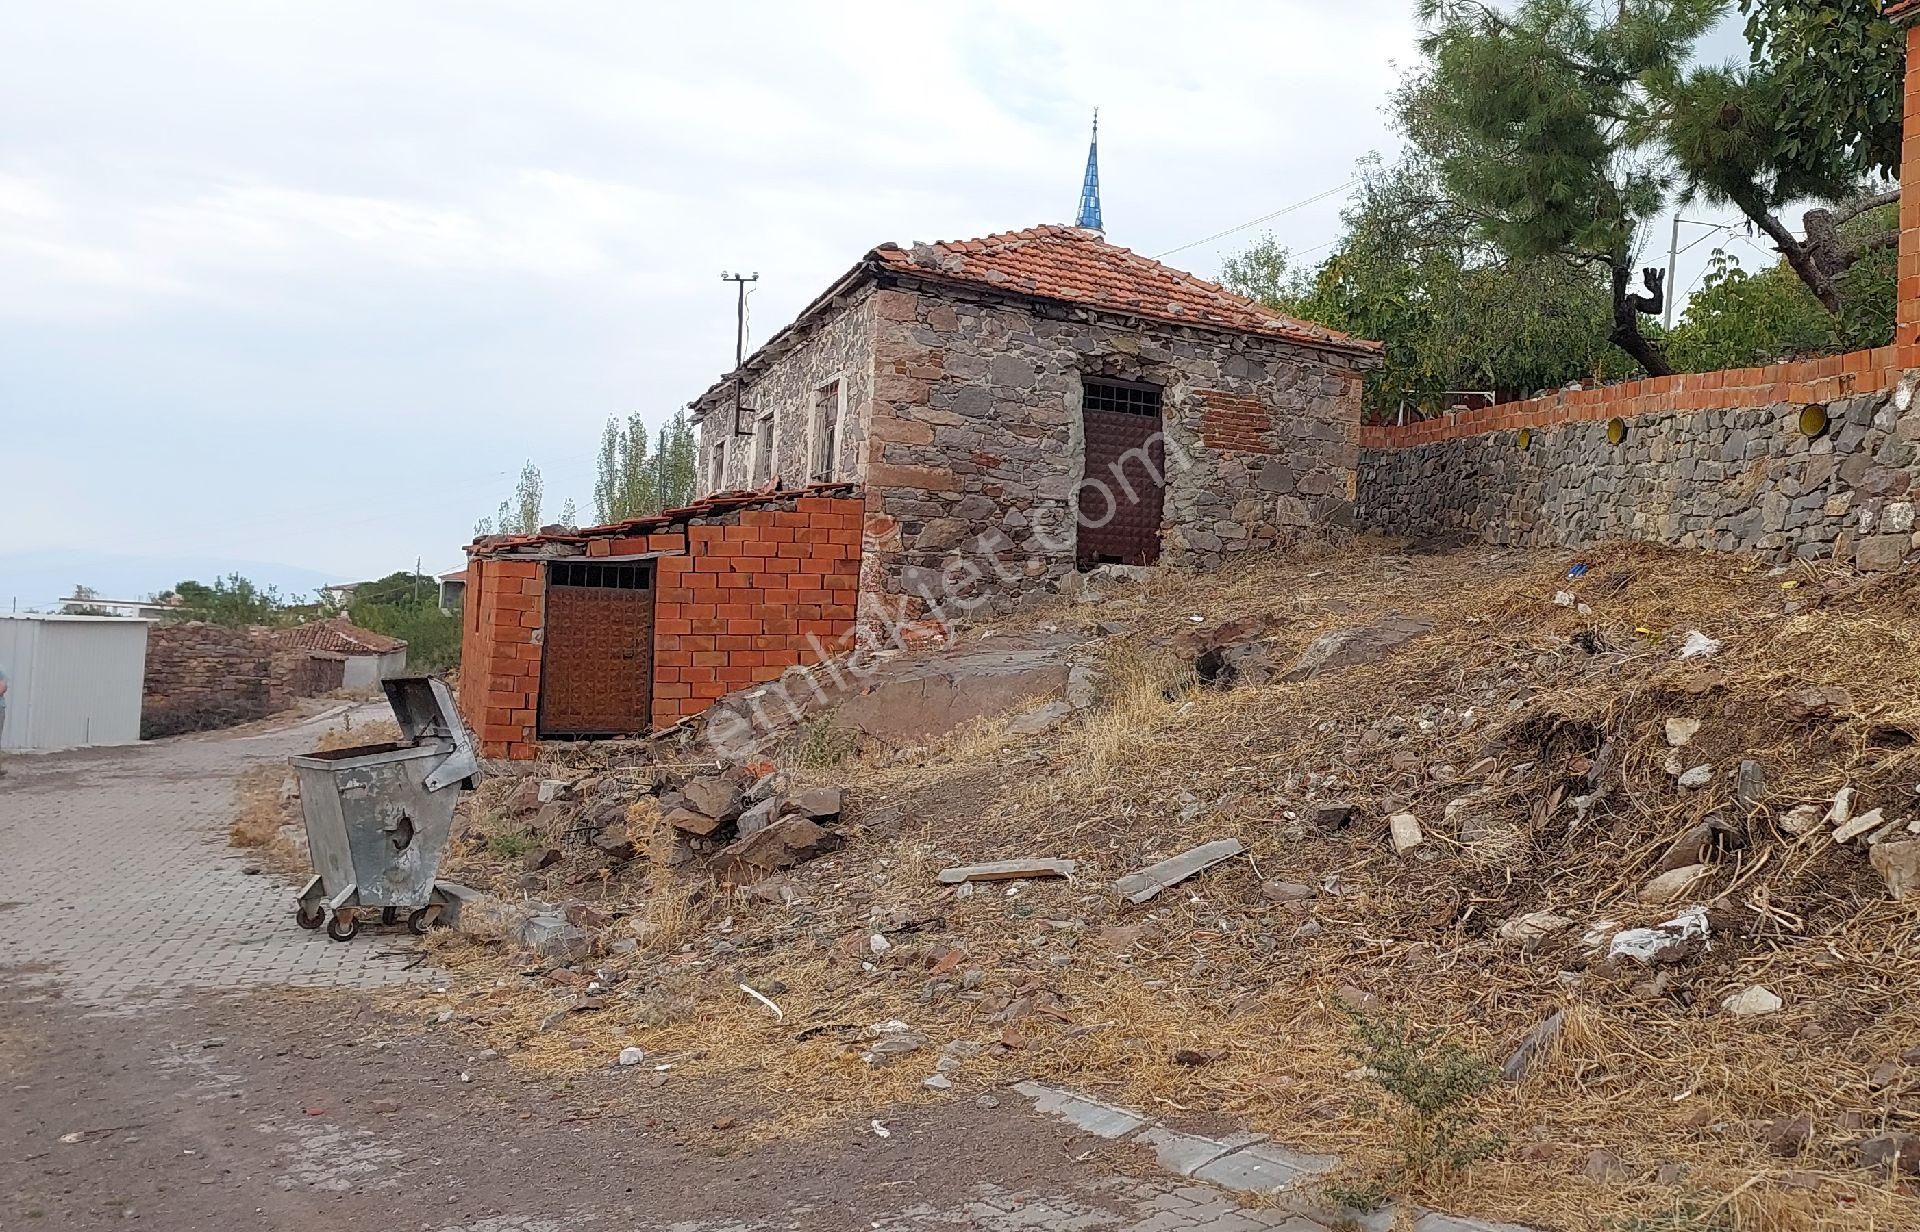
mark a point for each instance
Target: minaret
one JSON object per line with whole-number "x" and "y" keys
{"x": 1090, "y": 187}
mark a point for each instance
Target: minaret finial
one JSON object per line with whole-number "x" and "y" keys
{"x": 1089, "y": 218}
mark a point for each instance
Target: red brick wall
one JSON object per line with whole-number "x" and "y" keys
{"x": 1811, "y": 380}
{"x": 1229, "y": 421}
{"x": 1907, "y": 332}
{"x": 500, "y": 656}
{"x": 739, "y": 599}
{"x": 751, "y": 599}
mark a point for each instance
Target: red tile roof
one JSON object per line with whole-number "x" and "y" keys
{"x": 336, "y": 636}
{"x": 666, "y": 519}
{"x": 1901, "y": 8}
{"x": 1075, "y": 266}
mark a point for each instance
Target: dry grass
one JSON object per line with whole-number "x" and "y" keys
{"x": 1648, "y": 1068}
{"x": 379, "y": 731}
{"x": 264, "y": 819}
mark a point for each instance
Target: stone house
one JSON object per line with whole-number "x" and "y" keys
{"x": 1019, "y": 407}
{"x": 339, "y": 654}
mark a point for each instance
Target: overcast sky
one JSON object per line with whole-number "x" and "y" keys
{"x": 306, "y": 283}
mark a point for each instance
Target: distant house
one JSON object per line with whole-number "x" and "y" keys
{"x": 365, "y": 657}
{"x": 137, "y": 609}
{"x": 338, "y": 596}
{"x": 453, "y": 590}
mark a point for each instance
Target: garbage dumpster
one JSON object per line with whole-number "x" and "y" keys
{"x": 378, "y": 816}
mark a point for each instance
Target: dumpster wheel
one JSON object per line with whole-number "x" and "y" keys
{"x": 389, "y": 915}
{"x": 309, "y": 919}
{"x": 343, "y": 927}
{"x": 422, "y": 920}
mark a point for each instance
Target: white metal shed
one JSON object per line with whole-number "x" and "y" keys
{"x": 73, "y": 680}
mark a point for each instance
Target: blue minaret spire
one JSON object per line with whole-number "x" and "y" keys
{"x": 1090, "y": 187}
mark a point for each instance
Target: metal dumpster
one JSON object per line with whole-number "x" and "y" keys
{"x": 378, "y": 816}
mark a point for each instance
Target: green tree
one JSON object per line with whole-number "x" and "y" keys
{"x": 631, "y": 480}
{"x": 231, "y": 600}
{"x": 520, "y": 515}
{"x": 1837, "y": 68}
{"x": 1453, "y": 310}
{"x": 1739, "y": 320}
{"x": 1543, "y": 128}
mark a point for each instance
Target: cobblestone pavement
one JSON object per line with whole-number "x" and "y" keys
{"x": 118, "y": 881}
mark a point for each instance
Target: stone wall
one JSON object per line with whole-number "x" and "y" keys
{"x": 837, "y": 347}
{"x": 203, "y": 676}
{"x": 975, "y": 457}
{"x": 1746, "y": 479}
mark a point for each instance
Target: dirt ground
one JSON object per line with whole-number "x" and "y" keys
{"x": 282, "y": 1110}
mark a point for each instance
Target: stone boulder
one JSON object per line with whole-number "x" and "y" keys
{"x": 782, "y": 845}
{"x": 912, "y": 701}
{"x": 1351, "y": 647}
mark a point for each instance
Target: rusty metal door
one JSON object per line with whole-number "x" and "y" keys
{"x": 596, "y": 670}
{"x": 1121, "y": 496}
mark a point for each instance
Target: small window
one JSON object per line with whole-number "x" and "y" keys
{"x": 763, "y": 449}
{"x": 1123, "y": 397}
{"x": 717, "y": 466}
{"x": 826, "y": 433}
{"x": 618, "y": 575}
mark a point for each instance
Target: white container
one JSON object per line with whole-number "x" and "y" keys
{"x": 74, "y": 681}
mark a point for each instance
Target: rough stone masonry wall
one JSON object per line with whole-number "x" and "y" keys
{"x": 740, "y": 598}
{"x": 837, "y": 347}
{"x": 974, "y": 455}
{"x": 203, "y": 676}
{"x": 1744, "y": 479}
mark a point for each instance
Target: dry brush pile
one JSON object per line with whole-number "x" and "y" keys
{"x": 1527, "y": 730}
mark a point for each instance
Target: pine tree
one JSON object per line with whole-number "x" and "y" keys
{"x": 1541, "y": 122}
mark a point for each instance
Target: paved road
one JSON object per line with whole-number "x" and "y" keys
{"x": 116, "y": 877}
{"x": 150, "y": 1072}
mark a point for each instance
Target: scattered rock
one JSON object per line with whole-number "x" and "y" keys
{"x": 1750, "y": 785}
{"x": 1681, "y": 732}
{"x": 1800, "y": 818}
{"x": 1527, "y": 931}
{"x": 1788, "y": 1136}
{"x": 630, "y": 1056}
{"x": 544, "y": 858}
{"x": 1817, "y": 702}
{"x": 1520, "y": 1063}
{"x": 1673, "y": 884}
{"x": 549, "y": 934}
{"x": 717, "y": 796}
{"x": 1604, "y": 1165}
{"x": 1041, "y": 719}
{"x": 1872, "y": 819}
{"x": 1890, "y": 1154}
{"x": 1752, "y": 1002}
{"x": 1405, "y": 831}
{"x": 1899, "y": 866}
{"x": 1670, "y": 1175}
{"x": 546, "y": 791}
{"x": 1006, "y": 870}
{"x": 987, "y": 1101}
{"x": 1841, "y": 809}
{"x": 936, "y": 1082}
{"x": 1700, "y": 843}
{"x": 785, "y": 843}
{"x": 1348, "y": 647}
{"x": 1286, "y": 891}
{"x": 1886, "y": 1074}
{"x": 688, "y": 821}
{"x": 757, "y": 817}
{"x": 1696, "y": 778}
{"x": 818, "y": 804}
{"x": 1356, "y": 999}
{"x": 1334, "y": 816}
{"x": 1138, "y": 887}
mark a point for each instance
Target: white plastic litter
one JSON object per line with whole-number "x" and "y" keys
{"x": 1698, "y": 645}
{"x": 1645, "y": 944}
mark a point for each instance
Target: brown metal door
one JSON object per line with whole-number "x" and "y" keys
{"x": 596, "y": 672}
{"x": 1121, "y": 496}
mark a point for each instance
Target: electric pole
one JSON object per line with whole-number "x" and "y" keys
{"x": 739, "y": 339}
{"x": 740, "y": 313}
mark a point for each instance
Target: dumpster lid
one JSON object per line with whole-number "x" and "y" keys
{"x": 424, "y": 708}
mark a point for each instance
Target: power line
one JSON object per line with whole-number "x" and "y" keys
{"x": 1285, "y": 209}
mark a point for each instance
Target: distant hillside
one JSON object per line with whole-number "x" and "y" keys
{"x": 37, "y": 579}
